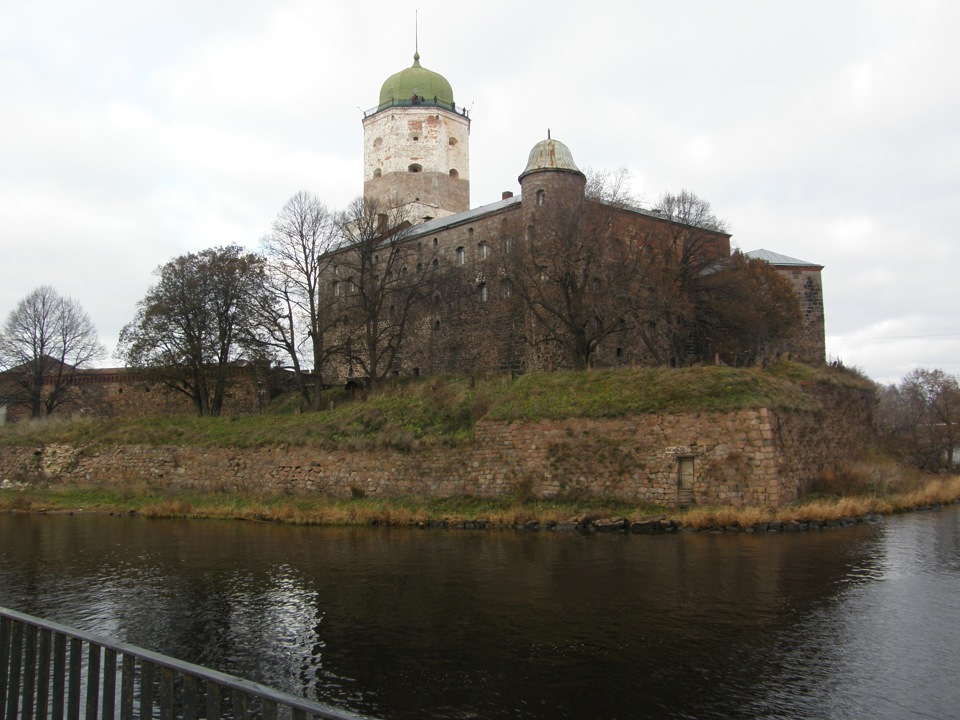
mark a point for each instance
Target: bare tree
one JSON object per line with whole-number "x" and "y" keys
{"x": 195, "y": 322}
{"x": 689, "y": 245}
{"x": 381, "y": 280}
{"x": 920, "y": 418}
{"x": 47, "y": 339}
{"x": 578, "y": 268}
{"x": 297, "y": 309}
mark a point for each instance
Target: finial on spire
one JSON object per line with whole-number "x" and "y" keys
{"x": 416, "y": 38}
{"x": 548, "y": 133}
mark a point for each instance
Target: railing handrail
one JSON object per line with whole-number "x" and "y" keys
{"x": 199, "y": 672}
{"x": 419, "y": 102}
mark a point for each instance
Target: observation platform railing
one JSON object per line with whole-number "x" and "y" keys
{"x": 48, "y": 670}
{"x": 417, "y": 102}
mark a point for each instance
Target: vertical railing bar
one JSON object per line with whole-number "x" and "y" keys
{"x": 166, "y": 693}
{"x": 127, "y": 673}
{"x": 93, "y": 681}
{"x": 4, "y": 659}
{"x": 269, "y": 710}
{"x": 16, "y": 658}
{"x": 43, "y": 675}
{"x": 109, "y": 684}
{"x": 214, "y": 701}
{"x": 74, "y": 679}
{"x": 191, "y": 697}
{"x": 59, "y": 674}
{"x": 29, "y": 672}
{"x": 146, "y": 690}
{"x": 239, "y": 705}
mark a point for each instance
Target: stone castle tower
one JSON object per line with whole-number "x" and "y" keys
{"x": 416, "y": 146}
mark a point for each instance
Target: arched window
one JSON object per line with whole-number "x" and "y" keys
{"x": 540, "y": 197}
{"x": 415, "y": 168}
{"x": 506, "y": 288}
{"x": 483, "y": 292}
{"x": 436, "y": 326}
{"x": 452, "y": 141}
{"x": 454, "y": 174}
{"x": 461, "y": 256}
{"x": 419, "y": 268}
{"x": 436, "y": 264}
{"x": 483, "y": 250}
{"x": 377, "y": 172}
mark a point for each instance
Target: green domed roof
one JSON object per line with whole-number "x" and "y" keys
{"x": 416, "y": 80}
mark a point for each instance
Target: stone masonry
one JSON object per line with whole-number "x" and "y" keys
{"x": 749, "y": 457}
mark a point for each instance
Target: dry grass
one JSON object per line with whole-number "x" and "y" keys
{"x": 915, "y": 493}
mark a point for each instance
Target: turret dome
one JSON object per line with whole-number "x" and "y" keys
{"x": 401, "y": 87}
{"x": 550, "y": 154}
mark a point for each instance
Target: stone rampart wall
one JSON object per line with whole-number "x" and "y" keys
{"x": 749, "y": 457}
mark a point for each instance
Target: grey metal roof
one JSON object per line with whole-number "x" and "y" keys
{"x": 777, "y": 259}
{"x": 439, "y": 224}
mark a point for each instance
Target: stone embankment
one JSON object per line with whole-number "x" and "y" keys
{"x": 760, "y": 457}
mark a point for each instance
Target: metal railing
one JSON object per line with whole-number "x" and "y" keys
{"x": 418, "y": 102}
{"x": 48, "y": 670}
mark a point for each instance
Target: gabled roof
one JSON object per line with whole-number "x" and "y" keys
{"x": 781, "y": 260}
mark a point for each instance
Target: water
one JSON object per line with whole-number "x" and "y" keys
{"x": 404, "y": 623}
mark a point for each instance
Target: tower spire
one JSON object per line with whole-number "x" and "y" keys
{"x": 416, "y": 34}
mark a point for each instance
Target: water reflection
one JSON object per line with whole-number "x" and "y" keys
{"x": 403, "y": 623}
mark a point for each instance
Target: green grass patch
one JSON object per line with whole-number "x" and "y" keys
{"x": 416, "y": 412}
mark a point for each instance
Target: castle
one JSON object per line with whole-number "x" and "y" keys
{"x": 416, "y": 168}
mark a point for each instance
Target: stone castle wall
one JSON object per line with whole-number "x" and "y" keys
{"x": 748, "y": 457}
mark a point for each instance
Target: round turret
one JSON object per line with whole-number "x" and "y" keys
{"x": 416, "y": 83}
{"x": 551, "y": 171}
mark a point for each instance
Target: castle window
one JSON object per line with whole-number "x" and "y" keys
{"x": 352, "y": 285}
{"x": 377, "y": 172}
{"x": 483, "y": 250}
{"x": 415, "y": 168}
{"x": 336, "y": 288}
{"x": 540, "y": 197}
{"x": 415, "y": 137}
{"x": 436, "y": 264}
{"x": 378, "y": 142}
{"x": 436, "y": 326}
{"x": 505, "y": 244}
{"x": 461, "y": 256}
{"x": 506, "y": 289}
{"x": 419, "y": 268}
{"x": 452, "y": 141}
{"x": 435, "y": 241}
{"x": 483, "y": 292}
{"x": 454, "y": 174}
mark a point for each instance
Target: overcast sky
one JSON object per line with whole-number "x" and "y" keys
{"x": 132, "y": 132}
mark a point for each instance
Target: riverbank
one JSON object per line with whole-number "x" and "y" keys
{"x": 470, "y": 512}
